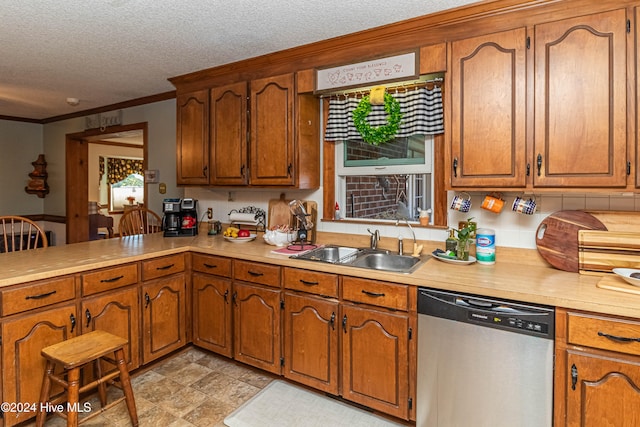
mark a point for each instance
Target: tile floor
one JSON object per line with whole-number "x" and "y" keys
{"x": 192, "y": 388}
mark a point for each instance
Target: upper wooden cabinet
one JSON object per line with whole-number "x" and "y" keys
{"x": 488, "y": 111}
{"x": 272, "y": 139}
{"x": 260, "y": 133}
{"x": 192, "y": 141}
{"x": 553, "y": 115}
{"x": 229, "y": 154}
{"x": 580, "y": 102}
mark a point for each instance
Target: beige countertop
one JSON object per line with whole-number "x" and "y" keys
{"x": 510, "y": 278}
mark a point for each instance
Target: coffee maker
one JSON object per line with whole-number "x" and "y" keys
{"x": 188, "y": 217}
{"x": 171, "y": 218}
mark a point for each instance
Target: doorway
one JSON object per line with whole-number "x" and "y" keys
{"x": 78, "y": 166}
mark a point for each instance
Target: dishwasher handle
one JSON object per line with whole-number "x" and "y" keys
{"x": 485, "y": 305}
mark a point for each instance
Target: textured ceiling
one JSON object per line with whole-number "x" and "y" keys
{"x": 109, "y": 51}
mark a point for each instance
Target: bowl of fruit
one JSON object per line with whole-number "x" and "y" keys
{"x": 238, "y": 235}
{"x": 279, "y": 235}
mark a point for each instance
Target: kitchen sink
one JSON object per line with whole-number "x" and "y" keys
{"x": 363, "y": 258}
{"x": 330, "y": 253}
{"x": 387, "y": 262}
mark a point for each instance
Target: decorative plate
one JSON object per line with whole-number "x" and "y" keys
{"x": 241, "y": 239}
{"x": 453, "y": 261}
{"x": 626, "y": 273}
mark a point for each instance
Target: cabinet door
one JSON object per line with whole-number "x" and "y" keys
{"x": 375, "y": 359}
{"x": 602, "y": 391}
{"x": 164, "y": 317}
{"x": 488, "y": 101}
{"x": 272, "y": 142}
{"x": 256, "y": 326}
{"x": 192, "y": 140}
{"x": 212, "y": 313}
{"x": 311, "y": 341}
{"x": 229, "y": 155}
{"x": 22, "y": 364}
{"x": 117, "y": 313}
{"x": 580, "y": 102}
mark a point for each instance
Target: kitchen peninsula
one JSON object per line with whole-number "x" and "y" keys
{"x": 115, "y": 283}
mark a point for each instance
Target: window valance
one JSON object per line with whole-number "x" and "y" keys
{"x": 421, "y": 111}
{"x": 118, "y": 169}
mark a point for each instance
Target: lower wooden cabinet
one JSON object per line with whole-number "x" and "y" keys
{"x": 311, "y": 328}
{"x": 212, "y": 327}
{"x": 375, "y": 359}
{"x": 22, "y": 364}
{"x": 256, "y": 326}
{"x": 597, "y": 375}
{"x": 164, "y": 316}
{"x": 602, "y": 390}
{"x": 117, "y": 313}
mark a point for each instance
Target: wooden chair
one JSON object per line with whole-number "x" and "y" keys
{"x": 139, "y": 221}
{"x": 15, "y": 228}
{"x": 72, "y": 355}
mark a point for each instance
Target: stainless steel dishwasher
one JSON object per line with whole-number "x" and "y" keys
{"x": 483, "y": 362}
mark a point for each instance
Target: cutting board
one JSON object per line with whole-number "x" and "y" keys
{"x": 279, "y": 213}
{"x": 557, "y": 237}
{"x": 614, "y": 283}
{"x": 602, "y": 251}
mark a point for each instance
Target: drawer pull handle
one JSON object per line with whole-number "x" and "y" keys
{"x": 113, "y": 279}
{"x": 305, "y": 282}
{"x": 47, "y": 294}
{"x": 617, "y": 338}
{"x": 373, "y": 294}
{"x": 166, "y": 267}
{"x": 255, "y": 273}
{"x": 210, "y": 265}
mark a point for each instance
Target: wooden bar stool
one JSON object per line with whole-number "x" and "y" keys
{"x": 73, "y": 354}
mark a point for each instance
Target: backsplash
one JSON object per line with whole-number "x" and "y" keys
{"x": 512, "y": 229}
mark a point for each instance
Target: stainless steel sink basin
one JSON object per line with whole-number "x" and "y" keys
{"x": 387, "y": 262}
{"x": 332, "y": 254}
{"x": 363, "y": 258}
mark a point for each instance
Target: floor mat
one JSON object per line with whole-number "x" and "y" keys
{"x": 284, "y": 405}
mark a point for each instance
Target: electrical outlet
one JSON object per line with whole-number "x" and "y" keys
{"x": 209, "y": 213}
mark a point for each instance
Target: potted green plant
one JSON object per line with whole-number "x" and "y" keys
{"x": 464, "y": 236}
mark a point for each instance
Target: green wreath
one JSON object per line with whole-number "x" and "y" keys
{"x": 380, "y": 134}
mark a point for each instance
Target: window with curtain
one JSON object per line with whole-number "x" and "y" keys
{"x": 394, "y": 179}
{"x": 125, "y": 180}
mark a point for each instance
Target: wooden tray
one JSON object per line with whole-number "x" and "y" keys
{"x": 615, "y": 283}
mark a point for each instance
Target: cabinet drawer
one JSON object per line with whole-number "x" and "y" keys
{"x": 604, "y": 333}
{"x": 211, "y": 265}
{"x": 263, "y": 274}
{"x": 314, "y": 282}
{"x": 373, "y": 292}
{"x": 164, "y": 266}
{"x": 110, "y": 278}
{"x": 38, "y": 294}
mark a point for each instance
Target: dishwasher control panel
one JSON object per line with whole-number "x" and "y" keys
{"x": 507, "y": 321}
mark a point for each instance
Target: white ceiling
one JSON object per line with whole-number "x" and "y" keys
{"x": 109, "y": 51}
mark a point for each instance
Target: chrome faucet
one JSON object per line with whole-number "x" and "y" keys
{"x": 375, "y": 236}
{"x": 413, "y": 233}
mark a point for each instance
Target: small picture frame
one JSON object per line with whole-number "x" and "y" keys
{"x": 151, "y": 176}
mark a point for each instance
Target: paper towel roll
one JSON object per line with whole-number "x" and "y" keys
{"x": 245, "y": 218}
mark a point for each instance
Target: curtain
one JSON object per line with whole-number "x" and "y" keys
{"x": 421, "y": 114}
{"x": 119, "y": 169}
